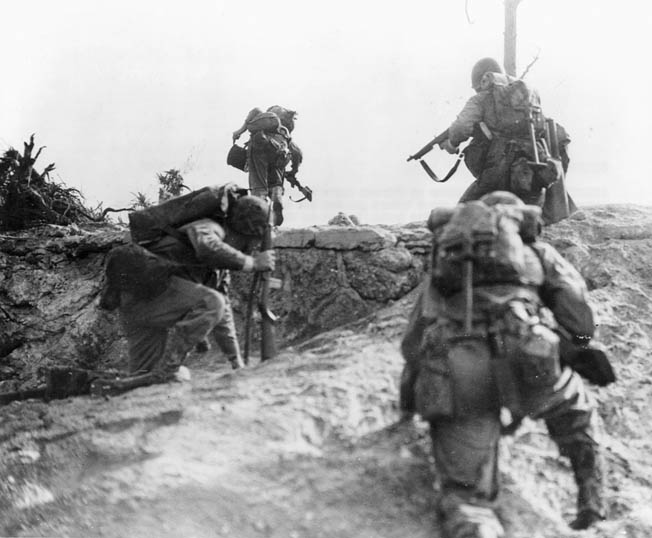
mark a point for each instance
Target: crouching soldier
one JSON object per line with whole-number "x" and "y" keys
{"x": 163, "y": 284}
{"x": 482, "y": 351}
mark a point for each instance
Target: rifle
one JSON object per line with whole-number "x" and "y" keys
{"x": 306, "y": 191}
{"x": 268, "y": 348}
{"x": 428, "y": 147}
{"x": 441, "y": 137}
{"x": 63, "y": 382}
{"x": 255, "y": 282}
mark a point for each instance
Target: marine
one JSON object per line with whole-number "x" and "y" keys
{"x": 269, "y": 151}
{"x": 510, "y": 146}
{"x": 164, "y": 285}
{"x": 497, "y": 327}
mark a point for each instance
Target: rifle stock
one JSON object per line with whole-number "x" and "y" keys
{"x": 268, "y": 349}
{"x": 306, "y": 191}
{"x": 255, "y": 281}
{"x": 429, "y": 146}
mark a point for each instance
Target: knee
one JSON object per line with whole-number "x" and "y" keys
{"x": 214, "y": 304}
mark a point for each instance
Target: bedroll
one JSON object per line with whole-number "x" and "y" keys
{"x": 149, "y": 224}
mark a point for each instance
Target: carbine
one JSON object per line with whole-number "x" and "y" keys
{"x": 429, "y": 146}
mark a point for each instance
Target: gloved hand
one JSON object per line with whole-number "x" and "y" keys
{"x": 446, "y": 145}
{"x": 265, "y": 261}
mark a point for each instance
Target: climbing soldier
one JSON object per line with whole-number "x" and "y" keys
{"x": 511, "y": 141}
{"x": 270, "y": 150}
{"x": 497, "y": 333}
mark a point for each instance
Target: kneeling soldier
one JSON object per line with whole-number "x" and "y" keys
{"x": 162, "y": 285}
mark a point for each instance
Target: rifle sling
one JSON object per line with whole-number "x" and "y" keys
{"x": 450, "y": 174}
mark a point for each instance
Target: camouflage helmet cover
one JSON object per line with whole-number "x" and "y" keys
{"x": 249, "y": 216}
{"x": 485, "y": 65}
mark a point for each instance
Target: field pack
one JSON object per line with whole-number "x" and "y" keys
{"x": 490, "y": 237}
{"x": 515, "y": 101}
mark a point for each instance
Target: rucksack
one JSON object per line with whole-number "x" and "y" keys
{"x": 149, "y": 224}
{"x": 264, "y": 121}
{"x": 491, "y": 237}
{"x": 515, "y": 102}
{"x": 133, "y": 269}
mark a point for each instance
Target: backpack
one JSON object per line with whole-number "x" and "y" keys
{"x": 515, "y": 102}
{"x": 150, "y": 224}
{"x": 264, "y": 121}
{"x": 135, "y": 270}
{"x": 492, "y": 237}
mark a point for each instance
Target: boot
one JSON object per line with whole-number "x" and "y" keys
{"x": 587, "y": 466}
{"x": 464, "y": 520}
{"x": 174, "y": 355}
{"x": 203, "y": 346}
{"x": 236, "y": 362}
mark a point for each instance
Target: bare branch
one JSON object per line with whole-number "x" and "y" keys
{"x": 530, "y": 64}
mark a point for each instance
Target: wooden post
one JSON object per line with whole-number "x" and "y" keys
{"x": 510, "y": 36}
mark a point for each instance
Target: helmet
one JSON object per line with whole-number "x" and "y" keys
{"x": 286, "y": 116}
{"x": 249, "y": 216}
{"x": 480, "y": 68}
{"x": 501, "y": 197}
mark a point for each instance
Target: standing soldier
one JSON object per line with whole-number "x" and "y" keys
{"x": 482, "y": 351}
{"x": 270, "y": 150}
{"x": 160, "y": 285}
{"x": 507, "y": 151}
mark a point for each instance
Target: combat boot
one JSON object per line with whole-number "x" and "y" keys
{"x": 176, "y": 350}
{"x": 236, "y": 362}
{"x": 464, "y": 520}
{"x": 587, "y": 465}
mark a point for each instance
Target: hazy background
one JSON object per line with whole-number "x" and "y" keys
{"x": 119, "y": 91}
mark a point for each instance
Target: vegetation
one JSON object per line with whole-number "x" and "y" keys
{"x": 29, "y": 198}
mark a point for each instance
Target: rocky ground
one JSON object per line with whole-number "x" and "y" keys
{"x": 301, "y": 446}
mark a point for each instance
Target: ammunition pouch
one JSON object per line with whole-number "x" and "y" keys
{"x": 532, "y": 347}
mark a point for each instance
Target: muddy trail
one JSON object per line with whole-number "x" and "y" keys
{"x": 302, "y": 447}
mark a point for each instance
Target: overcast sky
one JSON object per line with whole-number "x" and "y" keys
{"x": 121, "y": 90}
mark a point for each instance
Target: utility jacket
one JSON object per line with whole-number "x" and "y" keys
{"x": 481, "y": 108}
{"x": 203, "y": 252}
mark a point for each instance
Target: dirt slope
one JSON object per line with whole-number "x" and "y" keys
{"x": 296, "y": 447}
